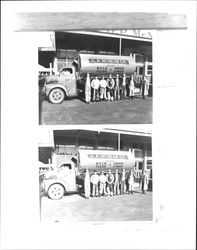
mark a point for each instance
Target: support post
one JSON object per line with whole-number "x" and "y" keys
{"x": 118, "y": 141}
{"x": 120, "y": 46}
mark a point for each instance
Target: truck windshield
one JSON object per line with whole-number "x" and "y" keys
{"x": 67, "y": 71}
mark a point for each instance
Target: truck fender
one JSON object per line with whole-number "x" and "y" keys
{"x": 48, "y": 183}
{"x": 52, "y": 86}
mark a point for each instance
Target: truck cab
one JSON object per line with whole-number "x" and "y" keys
{"x": 61, "y": 85}
{"x": 60, "y": 181}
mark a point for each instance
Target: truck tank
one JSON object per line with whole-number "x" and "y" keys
{"x": 102, "y": 160}
{"x": 104, "y": 64}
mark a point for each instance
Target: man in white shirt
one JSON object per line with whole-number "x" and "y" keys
{"x": 110, "y": 88}
{"x": 103, "y": 85}
{"x": 102, "y": 180}
{"x": 95, "y": 84}
{"x": 94, "y": 180}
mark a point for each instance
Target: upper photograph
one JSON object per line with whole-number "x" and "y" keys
{"x": 95, "y": 77}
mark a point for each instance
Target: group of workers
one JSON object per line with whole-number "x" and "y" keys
{"x": 111, "y": 89}
{"x": 101, "y": 184}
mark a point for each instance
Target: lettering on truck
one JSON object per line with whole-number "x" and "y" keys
{"x": 109, "y": 156}
{"x": 113, "y": 61}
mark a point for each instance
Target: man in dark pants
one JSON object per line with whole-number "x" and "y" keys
{"x": 122, "y": 182}
{"x": 144, "y": 181}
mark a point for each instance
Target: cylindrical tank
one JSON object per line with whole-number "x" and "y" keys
{"x": 106, "y": 64}
{"x": 101, "y": 160}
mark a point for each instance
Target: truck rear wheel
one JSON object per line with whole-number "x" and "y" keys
{"x": 56, "y": 96}
{"x": 56, "y": 191}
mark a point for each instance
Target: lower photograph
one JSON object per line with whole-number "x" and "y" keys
{"x": 95, "y": 174}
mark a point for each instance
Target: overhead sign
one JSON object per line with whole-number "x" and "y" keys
{"x": 136, "y": 33}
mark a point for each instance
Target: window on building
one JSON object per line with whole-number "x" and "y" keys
{"x": 105, "y": 148}
{"x": 149, "y": 164}
{"x": 138, "y": 153}
{"x": 86, "y": 143}
{"x": 141, "y": 70}
{"x": 140, "y": 165}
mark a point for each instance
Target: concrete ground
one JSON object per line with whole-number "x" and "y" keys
{"x": 76, "y": 111}
{"x": 75, "y": 208}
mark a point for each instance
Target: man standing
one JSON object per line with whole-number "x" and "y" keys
{"x": 103, "y": 86}
{"x": 110, "y": 87}
{"x": 131, "y": 182}
{"x": 116, "y": 183}
{"x": 87, "y": 89}
{"x": 122, "y": 182}
{"x": 144, "y": 181}
{"x": 94, "y": 180}
{"x": 102, "y": 180}
{"x": 95, "y": 85}
{"x": 117, "y": 88}
{"x": 131, "y": 88}
{"x": 87, "y": 184}
{"x": 145, "y": 87}
{"x": 110, "y": 180}
{"x": 123, "y": 87}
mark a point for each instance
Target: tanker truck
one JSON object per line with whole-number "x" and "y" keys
{"x": 69, "y": 81}
{"x": 69, "y": 176}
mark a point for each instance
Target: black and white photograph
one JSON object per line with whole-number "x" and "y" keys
{"x": 96, "y": 77}
{"x": 96, "y": 175}
{"x": 98, "y": 124}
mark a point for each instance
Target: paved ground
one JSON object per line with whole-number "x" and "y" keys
{"x": 75, "y": 208}
{"x": 76, "y": 111}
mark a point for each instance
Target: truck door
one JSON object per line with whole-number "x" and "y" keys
{"x": 68, "y": 80}
{"x": 68, "y": 174}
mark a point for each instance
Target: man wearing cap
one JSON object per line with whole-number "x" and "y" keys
{"x": 95, "y": 84}
{"x": 94, "y": 180}
{"x": 110, "y": 180}
{"x": 102, "y": 181}
{"x": 116, "y": 183}
{"x": 122, "y": 182}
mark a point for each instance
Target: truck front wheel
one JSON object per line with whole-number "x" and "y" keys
{"x": 56, "y": 96}
{"x": 56, "y": 191}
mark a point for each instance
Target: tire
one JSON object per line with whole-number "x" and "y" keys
{"x": 56, "y": 191}
{"x": 56, "y": 96}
